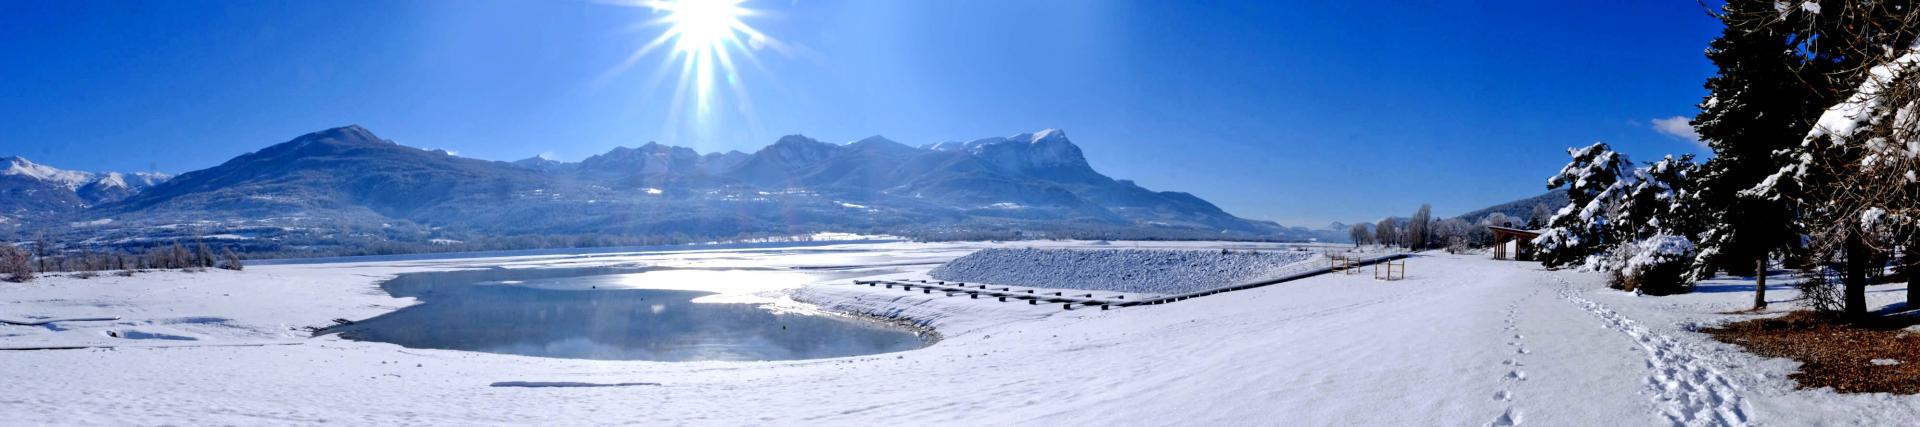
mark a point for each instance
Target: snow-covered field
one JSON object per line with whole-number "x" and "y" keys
{"x": 1464, "y": 340}
{"x": 1143, "y": 271}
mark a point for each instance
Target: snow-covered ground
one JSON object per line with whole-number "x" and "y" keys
{"x": 1145, "y": 271}
{"x": 1464, "y": 340}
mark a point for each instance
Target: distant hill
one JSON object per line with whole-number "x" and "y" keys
{"x": 346, "y": 187}
{"x": 1521, "y": 210}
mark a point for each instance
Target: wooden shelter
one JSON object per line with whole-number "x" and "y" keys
{"x": 1522, "y": 242}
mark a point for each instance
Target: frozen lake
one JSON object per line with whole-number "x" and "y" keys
{"x": 621, "y": 314}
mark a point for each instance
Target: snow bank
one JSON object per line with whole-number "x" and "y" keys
{"x": 1119, "y": 270}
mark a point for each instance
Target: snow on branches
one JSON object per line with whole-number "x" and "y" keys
{"x": 1630, "y": 223}
{"x": 1856, "y": 169}
{"x": 1653, "y": 203}
{"x": 1579, "y": 230}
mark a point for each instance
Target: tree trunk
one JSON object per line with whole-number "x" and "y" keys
{"x": 1760, "y": 282}
{"x": 1912, "y": 268}
{"x": 1856, "y": 276}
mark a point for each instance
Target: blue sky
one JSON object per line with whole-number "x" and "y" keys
{"x": 1302, "y": 112}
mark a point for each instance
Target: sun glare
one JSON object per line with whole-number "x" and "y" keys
{"x": 703, "y": 38}
{"x": 697, "y": 26}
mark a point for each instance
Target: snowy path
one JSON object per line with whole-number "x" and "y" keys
{"x": 1686, "y": 389}
{"x": 1462, "y": 341}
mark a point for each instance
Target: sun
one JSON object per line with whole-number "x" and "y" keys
{"x": 702, "y": 38}
{"x": 702, "y": 26}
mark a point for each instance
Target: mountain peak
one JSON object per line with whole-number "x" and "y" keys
{"x": 112, "y": 180}
{"x": 876, "y": 139}
{"x": 798, "y": 139}
{"x": 20, "y": 166}
{"x": 349, "y": 132}
{"x": 798, "y": 148}
{"x": 1043, "y": 150}
{"x": 540, "y": 163}
{"x": 1048, "y": 135}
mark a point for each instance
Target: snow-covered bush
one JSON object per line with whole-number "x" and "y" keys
{"x": 1655, "y": 265}
{"x": 15, "y": 263}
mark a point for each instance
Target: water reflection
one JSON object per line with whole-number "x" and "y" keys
{"x": 568, "y": 313}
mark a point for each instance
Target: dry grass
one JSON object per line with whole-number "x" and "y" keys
{"x": 1835, "y": 354}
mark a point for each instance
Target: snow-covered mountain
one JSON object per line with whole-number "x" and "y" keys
{"x": 113, "y": 186}
{"x": 21, "y": 167}
{"x": 348, "y": 179}
{"x": 30, "y": 190}
{"x": 542, "y": 164}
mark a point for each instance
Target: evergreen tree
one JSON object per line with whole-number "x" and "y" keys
{"x": 1580, "y": 229}
{"x": 1653, "y": 203}
{"x": 1831, "y": 176}
{"x": 1761, "y": 101}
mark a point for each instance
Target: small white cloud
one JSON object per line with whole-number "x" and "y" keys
{"x": 1677, "y": 127}
{"x": 546, "y": 155}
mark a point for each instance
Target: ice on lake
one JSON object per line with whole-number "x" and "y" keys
{"x": 612, "y": 314}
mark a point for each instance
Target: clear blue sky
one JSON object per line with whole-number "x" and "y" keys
{"x": 1302, "y": 112}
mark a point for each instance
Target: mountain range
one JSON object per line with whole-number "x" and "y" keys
{"x": 346, "y": 186}
{"x": 31, "y": 190}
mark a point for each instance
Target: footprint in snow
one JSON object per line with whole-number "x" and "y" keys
{"x": 1507, "y": 419}
{"x": 1502, "y": 395}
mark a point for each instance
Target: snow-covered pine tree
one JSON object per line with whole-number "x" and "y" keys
{"x": 1857, "y": 158}
{"x": 1580, "y": 230}
{"x": 1655, "y": 229}
{"x": 1653, "y": 202}
{"x": 1761, "y": 101}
